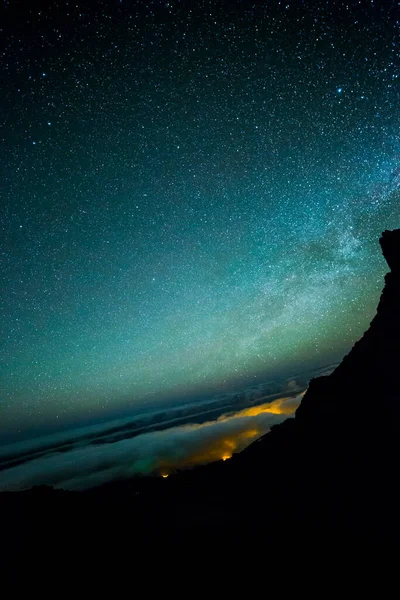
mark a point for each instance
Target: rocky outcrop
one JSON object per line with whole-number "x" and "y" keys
{"x": 366, "y": 383}
{"x": 323, "y": 481}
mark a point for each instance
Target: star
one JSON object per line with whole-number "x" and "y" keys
{"x": 205, "y": 207}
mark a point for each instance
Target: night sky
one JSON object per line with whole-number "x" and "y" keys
{"x": 193, "y": 193}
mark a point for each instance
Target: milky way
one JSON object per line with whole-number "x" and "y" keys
{"x": 193, "y": 193}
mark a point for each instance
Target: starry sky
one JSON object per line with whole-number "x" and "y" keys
{"x": 192, "y": 195}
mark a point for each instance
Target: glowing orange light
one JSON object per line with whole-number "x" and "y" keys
{"x": 223, "y": 446}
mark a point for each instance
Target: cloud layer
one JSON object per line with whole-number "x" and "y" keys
{"x": 153, "y": 453}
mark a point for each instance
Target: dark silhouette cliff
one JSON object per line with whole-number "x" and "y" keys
{"x": 366, "y": 381}
{"x": 322, "y": 483}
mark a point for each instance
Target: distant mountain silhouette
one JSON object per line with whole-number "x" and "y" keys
{"x": 324, "y": 481}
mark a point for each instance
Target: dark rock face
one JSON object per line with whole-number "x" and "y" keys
{"x": 323, "y": 482}
{"x": 390, "y": 243}
{"x": 366, "y": 381}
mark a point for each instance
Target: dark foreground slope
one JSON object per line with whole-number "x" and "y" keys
{"x": 320, "y": 482}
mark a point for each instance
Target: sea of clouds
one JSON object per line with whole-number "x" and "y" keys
{"x": 83, "y": 465}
